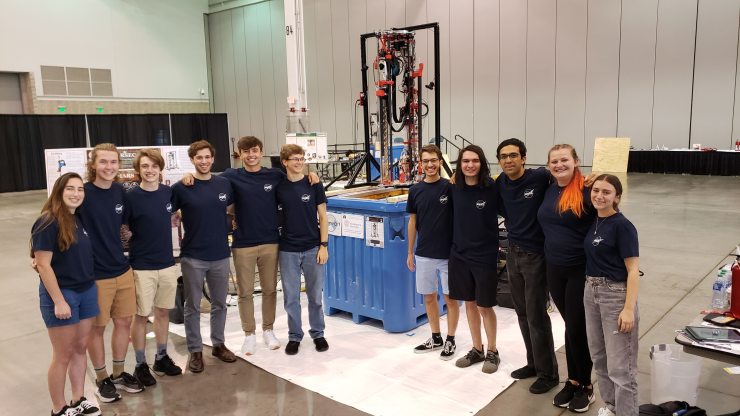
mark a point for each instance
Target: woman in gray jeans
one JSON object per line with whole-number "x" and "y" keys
{"x": 610, "y": 299}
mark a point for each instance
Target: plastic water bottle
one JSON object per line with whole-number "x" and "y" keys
{"x": 719, "y": 289}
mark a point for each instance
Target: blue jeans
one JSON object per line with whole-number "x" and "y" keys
{"x": 291, "y": 266}
{"x": 614, "y": 353}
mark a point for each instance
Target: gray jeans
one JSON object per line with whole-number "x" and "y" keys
{"x": 216, "y": 276}
{"x": 528, "y": 282}
{"x": 614, "y": 353}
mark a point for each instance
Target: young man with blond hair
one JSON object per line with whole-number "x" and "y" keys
{"x": 303, "y": 248}
{"x": 205, "y": 251}
{"x": 102, "y": 215}
{"x": 148, "y": 213}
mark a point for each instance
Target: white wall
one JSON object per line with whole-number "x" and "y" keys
{"x": 546, "y": 71}
{"x": 154, "y": 48}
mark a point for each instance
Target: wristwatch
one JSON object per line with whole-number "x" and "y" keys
{"x": 324, "y": 244}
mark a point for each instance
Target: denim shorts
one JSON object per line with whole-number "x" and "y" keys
{"x": 428, "y": 273}
{"x": 83, "y": 305}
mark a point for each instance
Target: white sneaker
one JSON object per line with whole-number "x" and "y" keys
{"x": 604, "y": 411}
{"x": 270, "y": 339}
{"x": 249, "y": 345}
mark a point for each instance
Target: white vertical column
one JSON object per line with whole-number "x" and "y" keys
{"x": 295, "y": 55}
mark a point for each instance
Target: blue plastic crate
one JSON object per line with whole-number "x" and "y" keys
{"x": 371, "y": 282}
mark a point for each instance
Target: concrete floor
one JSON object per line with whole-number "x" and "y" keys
{"x": 687, "y": 227}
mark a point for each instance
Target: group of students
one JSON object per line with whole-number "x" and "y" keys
{"x": 565, "y": 238}
{"x": 86, "y": 280}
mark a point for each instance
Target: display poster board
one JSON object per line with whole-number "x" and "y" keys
{"x": 60, "y": 161}
{"x": 611, "y": 154}
{"x": 314, "y": 144}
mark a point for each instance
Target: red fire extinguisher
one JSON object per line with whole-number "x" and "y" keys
{"x": 735, "y": 300}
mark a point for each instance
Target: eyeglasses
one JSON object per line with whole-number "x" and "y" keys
{"x": 297, "y": 159}
{"x": 511, "y": 156}
{"x": 428, "y": 161}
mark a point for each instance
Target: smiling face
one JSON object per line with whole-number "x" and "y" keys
{"x": 604, "y": 196}
{"x": 562, "y": 165}
{"x": 203, "y": 161}
{"x": 470, "y": 164}
{"x": 149, "y": 170}
{"x": 251, "y": 157}
{"x": 430, "y": 163}
{"x": 106, "y": 165}
{"x": 511, "y": 161}
{"x": 73, "y": 194}
{"x": 294, "y": 163}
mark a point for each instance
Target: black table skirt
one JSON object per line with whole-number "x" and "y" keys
{"x": 690, "y": 162}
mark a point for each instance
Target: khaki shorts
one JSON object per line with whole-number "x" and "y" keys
{"x": 155, "y": 288}
{"x": 116, "y": 298}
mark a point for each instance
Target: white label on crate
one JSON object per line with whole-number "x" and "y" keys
{"x": 353, "y": 226}
{"x": 333, "y": 219}
{"x": 374, "y": 236}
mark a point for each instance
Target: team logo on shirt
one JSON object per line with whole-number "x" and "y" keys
{"x": 528, "y": 193}
{"x": 222, "y": 197}
{"x": 119, "y": 208}
{"x": 305, "y": 197}
{"x": 480, "y": 204}
{"x": 443, "y": 199}
{"x": 268, "y": 187}
{"x": 168, "y": 207}
{"x": 597, "y": 241}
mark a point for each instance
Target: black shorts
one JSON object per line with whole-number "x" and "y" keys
{"x": 471, "y": 282}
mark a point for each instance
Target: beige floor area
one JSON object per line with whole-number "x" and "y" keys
{"x": 687, "y": 225}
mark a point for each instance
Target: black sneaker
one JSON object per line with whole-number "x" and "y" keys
{"x": 141, "y": 372}
{"x": 66, "y": 411}
{"x": 107, "y": 392}
{"x": 543, "y": 385}
{"x": 85, "y": 407}
{"x": 292, "y": 347}
{"x": 448, "y": 351}
{"x": 321, "y": 344}
{"x": 565, "y": 395}
{"x": 490, "y": 364}
{"x": 428, "y": 346}
{"x": 165, "y": 366}
{"x": 524, "y": 372}
{"x": 472, "y": 357}
{"x": 582, "y": 399}
{"x": 128, "y": 382}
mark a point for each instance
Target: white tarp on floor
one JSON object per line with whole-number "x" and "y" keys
{"x": 377, "y": 372}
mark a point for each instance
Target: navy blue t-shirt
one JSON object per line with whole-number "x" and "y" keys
{"x": 432, "y": 205}
{"x": 475, "y": 223}
{"x": 608, "y": 245}
{"x": 148, "y": 214}
{"x": 73, "y": 267}
{"x": 520, "y": 200}
{"x": 299, "y": 201}
{"x": 204, "y": 217}
{"x": 255, "y": 205}
{"x": 564, "y": 232}
{"x": 102, "y": 214}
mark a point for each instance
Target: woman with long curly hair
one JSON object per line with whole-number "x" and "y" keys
{"x": 68, "y": 297}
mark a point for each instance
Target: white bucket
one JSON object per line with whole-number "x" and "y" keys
{"x": 674, "y": 375}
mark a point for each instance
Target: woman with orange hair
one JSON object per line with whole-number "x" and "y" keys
{"x": 565, "y": 216}
{"x": 68, "y": 296}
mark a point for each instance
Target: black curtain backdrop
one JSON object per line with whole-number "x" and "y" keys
{"x": 689, "y": 161}
{"x": 130, "y": 129}
{"x": 23, "y": 139}
{"x": 188, "y": 128}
